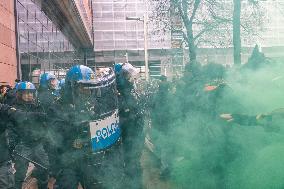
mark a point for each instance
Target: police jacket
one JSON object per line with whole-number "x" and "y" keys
{"x": 29, "y": 121}
{"x": 49, "y": 101}
{"x": 5, "y": 114}
{"x": 79, "y": 118}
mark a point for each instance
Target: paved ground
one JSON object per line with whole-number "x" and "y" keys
{"x": 151, "y": 179}
{"x": 31, "y": 183}
{"x": 151, "y": 172}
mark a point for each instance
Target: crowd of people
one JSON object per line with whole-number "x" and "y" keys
{"x": 189, "y": 118}
{"x": 48, "y": 126}
{"x": 200, "y": 123}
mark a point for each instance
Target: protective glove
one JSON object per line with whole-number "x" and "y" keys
{"x": 4, "y": 109}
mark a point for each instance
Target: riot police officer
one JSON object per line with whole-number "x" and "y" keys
{"x": 131, "y": 124}
{"x": 75, "y": 112}
{"x": 31, "y": 136}
{"x": 48, "y": 92}
{"x": 7, "y": 179}
{"x": 89, "y": 153}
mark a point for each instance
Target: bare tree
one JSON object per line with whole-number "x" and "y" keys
{"x": 245, "y": 22}
{"x": 237, "y": 31}
{"x": 192, "y": 19}
{"x": 208, "y": 23}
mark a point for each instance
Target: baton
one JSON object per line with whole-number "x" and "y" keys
{"x": 30, "y": 160}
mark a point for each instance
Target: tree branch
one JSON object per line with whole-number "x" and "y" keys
{"x": 195, "y": 7}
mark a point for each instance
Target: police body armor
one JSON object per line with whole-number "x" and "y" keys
{"x": 99, "y": 135}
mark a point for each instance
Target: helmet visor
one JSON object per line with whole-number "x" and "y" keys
{"x": 27, "y": 95}
{"x": 102, "y": 99}
{"x": 53, "y": 83}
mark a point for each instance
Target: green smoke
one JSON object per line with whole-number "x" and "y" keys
{"x": 204, "y": 151}
{"x": 259, "y": 164}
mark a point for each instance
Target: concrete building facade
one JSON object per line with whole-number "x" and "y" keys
{"x": 49, "y": 41}
{"x": 53, "y": 34}
{"x": 116, "y": 36}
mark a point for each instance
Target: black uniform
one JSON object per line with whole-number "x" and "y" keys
{"x": 50, "y": 102}
{"x": 31, "y": 132}
{"x": 161, "y": 121}
{"x": 10, "y": 97}
{"x": 77, "y": 160}
{"x": 7, "y": 179}
{"x": 131, "y": 122}
{"x": 48, "y": 99}
{"x": 73, "y": 153}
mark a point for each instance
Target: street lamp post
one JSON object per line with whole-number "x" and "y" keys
{"x": 145, "y": 21}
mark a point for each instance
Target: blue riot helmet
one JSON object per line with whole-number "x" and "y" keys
{"x": 118, "y": 68}
{"x": 80, "y": 74}
{"x": 61, "y": 83}
{"x": 126, "y": 76}
{"x": 43, "y": 81}
{"x": 78, "y": 80}
{"x": 16, "y": 85}
{"x": 25, "y": 92}
{"x": 25, "y": 85}
{"x": 120, "y": 80}
{"x": 48, "y": 81}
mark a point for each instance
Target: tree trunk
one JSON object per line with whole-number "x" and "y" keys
{"x": 237, "y": 32}
{"x": 191, "y": 45}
